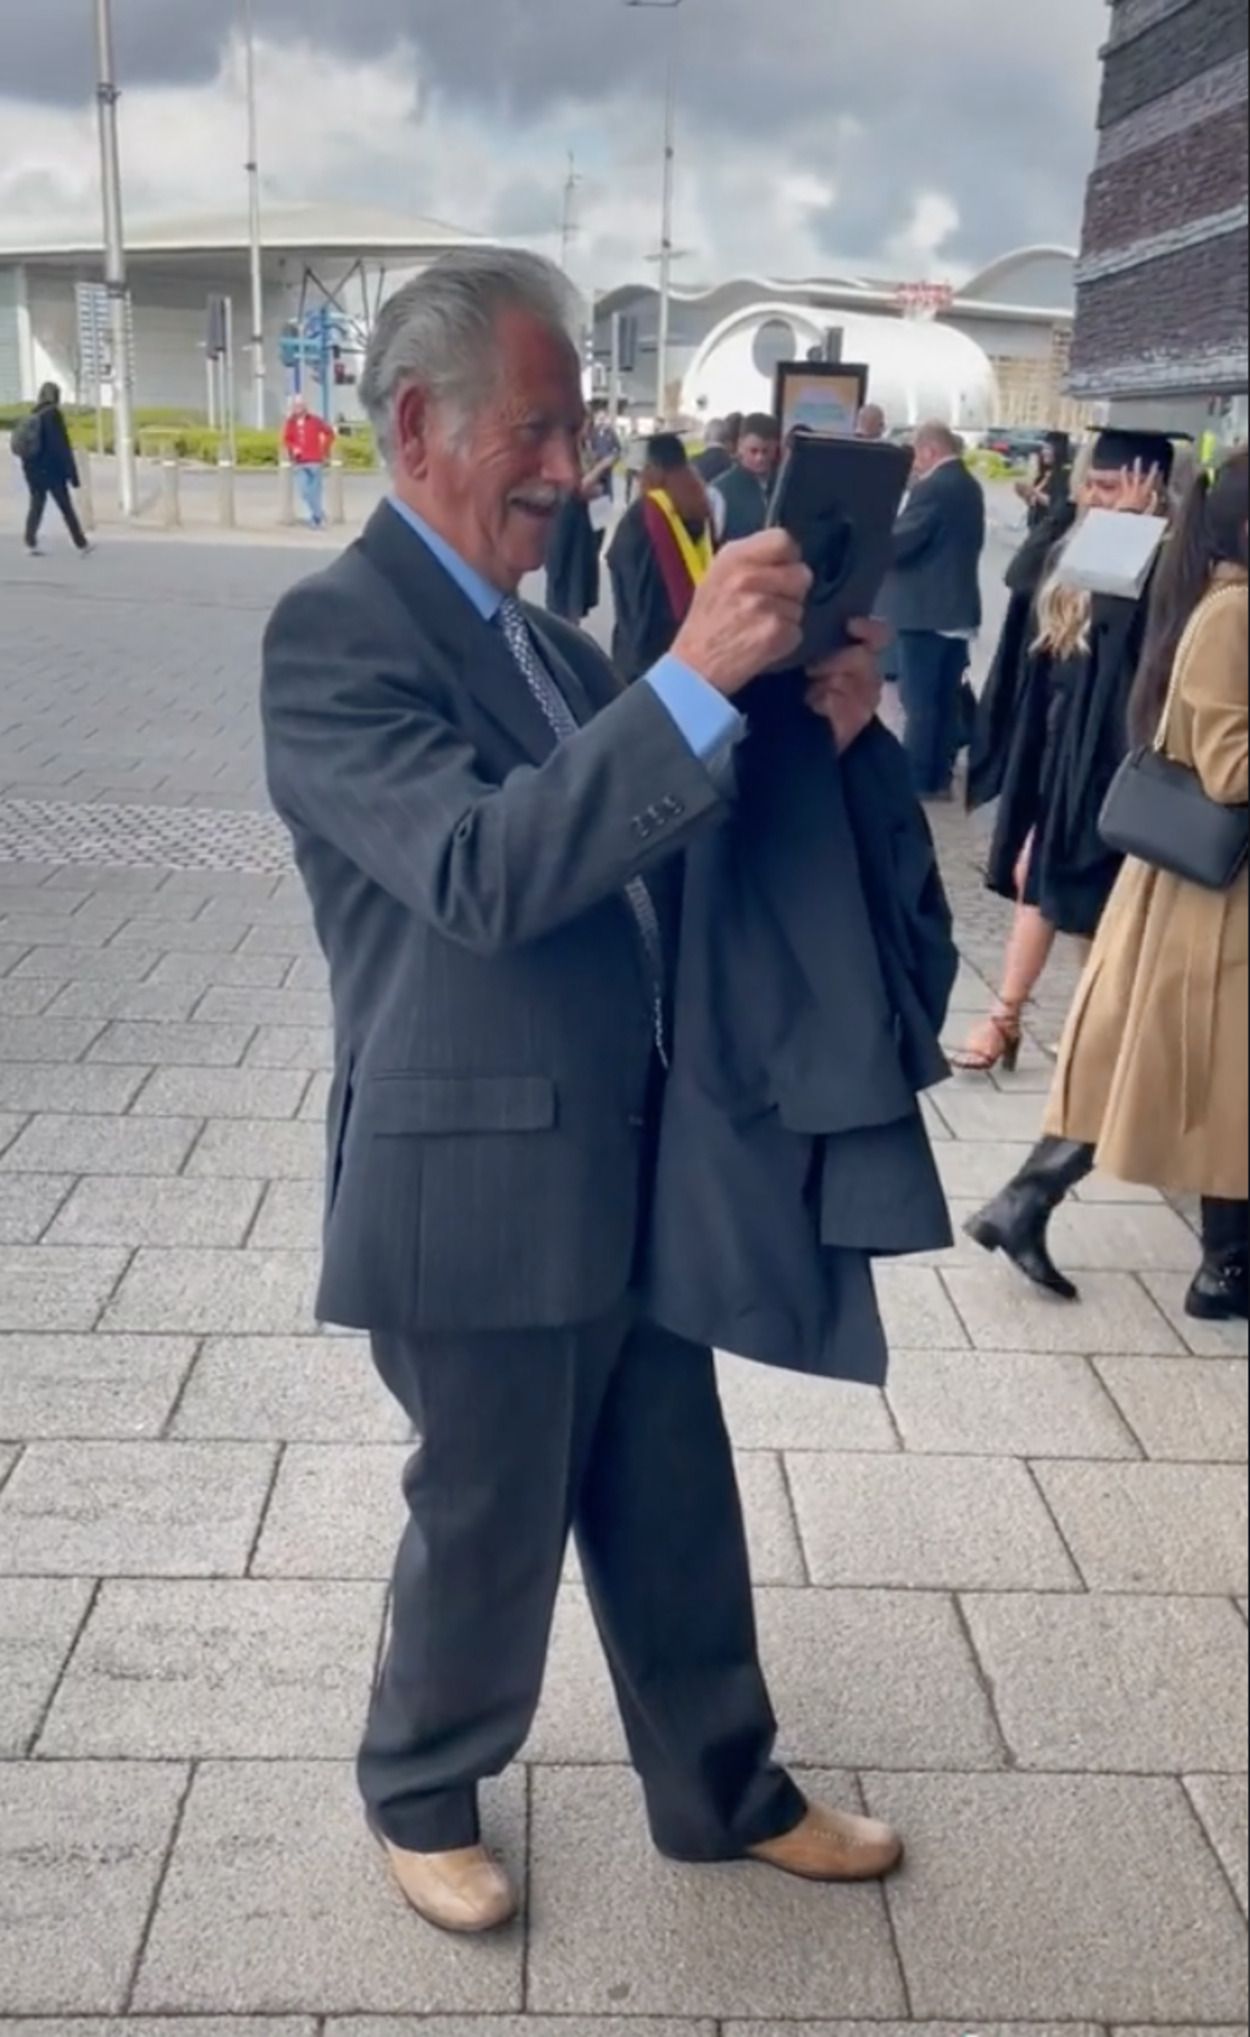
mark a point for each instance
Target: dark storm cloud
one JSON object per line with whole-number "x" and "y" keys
{"x": 987, "y": 101}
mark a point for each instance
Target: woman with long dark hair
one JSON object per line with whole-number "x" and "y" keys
{"x": 1152, "y": 1082}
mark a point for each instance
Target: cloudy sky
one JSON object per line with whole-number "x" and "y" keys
{"x": 909, "y": 136}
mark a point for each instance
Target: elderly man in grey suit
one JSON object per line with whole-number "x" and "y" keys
{"x": 488, "y": 830}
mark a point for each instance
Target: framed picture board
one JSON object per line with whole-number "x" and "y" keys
{"x": 820, "y": 396}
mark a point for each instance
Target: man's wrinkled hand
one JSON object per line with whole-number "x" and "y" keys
{"x": 846, "y": 689}
{"x": 747, "y": 617}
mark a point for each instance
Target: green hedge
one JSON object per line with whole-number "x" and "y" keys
{"x": 185, "y": 435}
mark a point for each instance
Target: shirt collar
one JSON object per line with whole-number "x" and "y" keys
{"x": 486, "y": 599}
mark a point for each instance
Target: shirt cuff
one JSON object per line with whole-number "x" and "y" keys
{"x": 706, "y": 719}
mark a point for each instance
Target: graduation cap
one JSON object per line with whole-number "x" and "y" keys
{"x": 1115, "y": 450}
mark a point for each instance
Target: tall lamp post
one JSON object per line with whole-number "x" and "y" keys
{"x": 107, "y": 96}
{"x": 667, "y": 249}
{"x": 254, "y": 221}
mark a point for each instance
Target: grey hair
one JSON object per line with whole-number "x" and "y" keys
{"x": 942, "y": 438}
{"x": 438, "y": 332}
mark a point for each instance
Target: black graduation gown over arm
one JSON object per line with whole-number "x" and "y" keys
{"x": 573, "y": 563}
{"x": 1005, "y": 702}
{"x": 645, "y": 624}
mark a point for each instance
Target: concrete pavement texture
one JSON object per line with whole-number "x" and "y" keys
{"x": 1002, "y": 1602}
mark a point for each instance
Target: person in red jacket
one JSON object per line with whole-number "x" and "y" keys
{"x": 308, "y": 440}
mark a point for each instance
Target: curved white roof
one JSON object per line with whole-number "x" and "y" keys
{"x": 357, "y": 230}
{"x": 916, "y": 371}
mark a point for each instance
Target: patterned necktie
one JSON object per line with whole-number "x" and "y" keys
{"x": 563, "y": 723}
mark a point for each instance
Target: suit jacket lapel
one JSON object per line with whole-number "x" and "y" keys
{"x": 445, "y": 615}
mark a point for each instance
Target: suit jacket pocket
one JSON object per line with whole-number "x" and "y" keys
{"x": 449, "y": 1106}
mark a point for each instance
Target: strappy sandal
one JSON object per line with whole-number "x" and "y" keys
{"x": 1005, "y": 1023}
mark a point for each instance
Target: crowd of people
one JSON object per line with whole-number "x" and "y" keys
{"x": 1045, "y": 741}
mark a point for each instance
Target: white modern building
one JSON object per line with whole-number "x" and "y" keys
{"x": 53, "y": 320}
{"x": 1017, "y": 314}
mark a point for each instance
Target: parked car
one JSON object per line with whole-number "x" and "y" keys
{"x": 1014, "y": 443}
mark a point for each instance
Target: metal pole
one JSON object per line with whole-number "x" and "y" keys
{"x": 115, "y": 259}
{"x": 614, "y": 373}
{"x": 568, "y": 227}
{"x": 254, "y": 221}
{"x": 230, "y": 394}
{"x": 666, "y": 231}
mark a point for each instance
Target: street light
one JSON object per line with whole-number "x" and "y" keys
{"x": 254, "y": 226}
{"x": 667, "y": 251}
{"x": 107, "y": 96}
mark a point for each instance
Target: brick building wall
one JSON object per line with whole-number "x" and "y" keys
{"x": 1163, "y": 305}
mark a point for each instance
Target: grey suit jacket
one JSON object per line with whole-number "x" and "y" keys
{"x": 492, "y": 1010}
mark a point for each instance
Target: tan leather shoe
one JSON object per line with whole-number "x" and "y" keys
{"x": 834, "y": 1846}
{"x": 467, "y": 1892}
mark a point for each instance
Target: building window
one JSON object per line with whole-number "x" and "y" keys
{"x": 775, "y": 342}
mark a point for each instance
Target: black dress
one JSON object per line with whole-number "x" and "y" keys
{"x": 1068, "y": 739}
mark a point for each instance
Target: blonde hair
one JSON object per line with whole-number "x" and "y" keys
{"x": 1063, "y": 620}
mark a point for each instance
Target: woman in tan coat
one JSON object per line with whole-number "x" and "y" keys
{"x": 1153, "y": 1084}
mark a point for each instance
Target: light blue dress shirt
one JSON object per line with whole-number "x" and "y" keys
{"x": 706, "y": 719}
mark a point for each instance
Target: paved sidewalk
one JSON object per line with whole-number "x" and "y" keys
{"x": 1003, "y": 1603}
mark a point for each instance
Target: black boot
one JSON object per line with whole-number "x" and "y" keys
{"x": 1221, "y": 1291}
{"x": 1015, "y": 1223}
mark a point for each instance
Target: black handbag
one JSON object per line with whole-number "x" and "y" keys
{"x": 1158, "y": 811}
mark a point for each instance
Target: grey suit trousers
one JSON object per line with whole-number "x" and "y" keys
{"x": 615, "y": 1432}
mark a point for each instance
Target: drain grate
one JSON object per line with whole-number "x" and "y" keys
{"x": 142, "y": 837}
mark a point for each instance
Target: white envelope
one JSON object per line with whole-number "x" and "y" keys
{"x": 1112, "y": 553}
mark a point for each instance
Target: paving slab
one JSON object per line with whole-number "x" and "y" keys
{"x": 937, "y": 1523}
{"x": 174, "y": 1045}
{"x": 62, "y": 1387}
{"x": 272, "y": 1152}
{"x": 614, "y": 1927}
{"x": 1004, "y": 1404}
{"x": 38, "y": 1622}
{"x": 61, "y": 1287}
{"x": 1036, "y": 1898}
{"x": 916, "y": 1310}
{"x": 292, "y": 1217}
{"x": 336, "y": 1512}
{"x": 1003, "y": 1312}
{"x": 247, "y": 1093}
{"x": 976, "y": 1110}
{"x": 317, "y": 1098}
{"x": 27, "y": 997}
{"x": 133, "y": 1509}
{"x": 265, "y": 1007}
{"x": 296, "y": 1389}
{"x": 81, "y": 1848}
{"x": 198, "y": 973}
{"x": 217, "y": 1293}
{"x": 10, "y": 1125}
{"x": 220, "y": 1669}
{"x": 771, "y": 1410}
{"x": 32, "y": 1086}
{"x": 153, "y": 2026}
{"x": 28, "y": 1203}
{"x": 1206, "y": 1340}
{"x": 153, "y": 1001}
{"x": 74, "y": 933}
{"x": 1107, "y": 1684}
{"x": 277, "y": 1902}
{"x": 127, "y": 1210}
{"x": 200, "y": 936}
{"x": 1191, "y": 1409}
{"x": 843, "y": 1669}
{"x": 772, "y": 1536}
{"x": 292, "y": 1047}
{"x": 1153, "y": 1527}
{"x": 732, "y": 2029}
{"x": 517, "y": 2026}
{"x": 1221, "y": 1803}
{"x": 88, "y": 965}
{"x": 101, "y": 1145}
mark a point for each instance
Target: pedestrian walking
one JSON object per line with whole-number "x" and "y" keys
{"x": 309, "y": 441}
{"x": 42, "y": 444}
{"x": 1152, "y": 1083}
{"x": 491, "y": 831}
{"x": 742, "y": 493}
{"x": 1052, "y": 731}
{"x": 933, "y": 600}
{"x": 721, "y": 449}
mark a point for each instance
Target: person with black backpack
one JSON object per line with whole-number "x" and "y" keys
{"x": 41, "y": 442}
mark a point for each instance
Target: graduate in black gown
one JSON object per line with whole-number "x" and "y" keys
{"x": 1053, "y": 733}
{"x": 660, "y": 554}
{"x": 575, "y": 547}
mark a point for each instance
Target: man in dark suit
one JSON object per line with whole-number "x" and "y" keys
{"x": 933, "y": 599}
{"x": 487, "y": 826}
